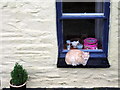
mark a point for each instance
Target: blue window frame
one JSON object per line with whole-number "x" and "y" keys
{"x": 100, "y": 18}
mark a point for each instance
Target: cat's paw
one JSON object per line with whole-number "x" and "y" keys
{"x": 73, "y": 64}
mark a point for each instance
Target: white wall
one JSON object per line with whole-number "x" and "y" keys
{"x": 28, "y": 36}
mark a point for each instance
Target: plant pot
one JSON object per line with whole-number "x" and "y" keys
{"x": 20, "y": 87}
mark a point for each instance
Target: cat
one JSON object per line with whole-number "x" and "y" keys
{"x": 76, "y": 57}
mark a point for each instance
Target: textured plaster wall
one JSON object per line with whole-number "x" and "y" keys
{"x": 28, "y": 36}
{"x": 119, "y": 44}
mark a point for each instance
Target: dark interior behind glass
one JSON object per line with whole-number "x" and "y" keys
{"x": 74, "y": 30}
{"x": 82, "y": 7}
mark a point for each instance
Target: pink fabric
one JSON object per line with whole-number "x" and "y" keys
{"x": 90, "y": 43}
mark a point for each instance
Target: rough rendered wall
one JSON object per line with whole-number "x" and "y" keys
{"x": 29, "y": 37}
{"x": 119, "y": 43}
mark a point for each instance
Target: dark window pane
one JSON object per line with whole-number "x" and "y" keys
{"x": 77, "y": 27}
{"x": 74, "y": 30}
{"x": 82, "y": 7}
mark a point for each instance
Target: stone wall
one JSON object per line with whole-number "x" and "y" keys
{"x": 28, "y": 36}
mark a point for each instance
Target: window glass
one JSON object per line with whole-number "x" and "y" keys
{"x": 75, "y": 30}
{"x": 82, "y": 7}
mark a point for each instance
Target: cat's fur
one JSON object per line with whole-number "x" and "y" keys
{"x": 76, "y": 57}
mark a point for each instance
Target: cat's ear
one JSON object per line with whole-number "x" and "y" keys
{"x": 86, "y": 53}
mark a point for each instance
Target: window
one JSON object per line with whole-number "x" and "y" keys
{"x": 81, "y": 20}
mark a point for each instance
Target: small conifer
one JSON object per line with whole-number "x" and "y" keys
{"x": 19, "y": 75}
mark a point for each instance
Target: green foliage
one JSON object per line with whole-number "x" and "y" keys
{"x": 96, "y": 89}
{"x": 19, "y": 75}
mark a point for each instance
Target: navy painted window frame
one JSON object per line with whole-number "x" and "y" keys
{"x": 105, "y": 16}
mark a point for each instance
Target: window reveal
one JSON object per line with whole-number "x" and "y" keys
{"x": 76, "y": 21}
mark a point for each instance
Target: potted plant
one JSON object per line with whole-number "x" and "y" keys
{"x": 19, "y": 78}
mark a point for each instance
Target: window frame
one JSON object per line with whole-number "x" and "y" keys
{"x": 100, "y": 53}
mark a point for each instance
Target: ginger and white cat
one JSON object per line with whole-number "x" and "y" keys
{"x": 76, "y": 57}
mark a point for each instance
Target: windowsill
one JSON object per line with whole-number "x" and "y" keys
{"x": 92, "y": 55}
{"x": 86, "y": 50}
{"x": 82, "y": 15}
{"x": 92, "y": 63}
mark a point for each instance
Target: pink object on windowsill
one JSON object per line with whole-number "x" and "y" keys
{"x": 90, "y": 43}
